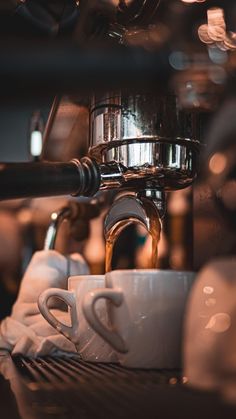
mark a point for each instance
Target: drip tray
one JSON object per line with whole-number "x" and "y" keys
{"x": 46, "y": 371}
{"x": 65, "y": 387}
{"x": 75, "y": 388}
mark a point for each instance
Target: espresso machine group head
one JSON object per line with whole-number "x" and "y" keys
{"x": 144, "y": 146}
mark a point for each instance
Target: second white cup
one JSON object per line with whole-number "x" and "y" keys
{"x": 88, "y": 344}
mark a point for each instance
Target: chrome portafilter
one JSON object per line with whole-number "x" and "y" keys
{"x": 142, "y": 140}
{"x": 144, "y": 147}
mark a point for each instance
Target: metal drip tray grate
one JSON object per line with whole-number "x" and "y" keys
{"x": 68, "y": 388}
{"x": 73, "y": 371}
{"x": 74, "y": 388}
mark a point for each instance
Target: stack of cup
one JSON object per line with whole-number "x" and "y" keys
{"x": 134, "y": 317}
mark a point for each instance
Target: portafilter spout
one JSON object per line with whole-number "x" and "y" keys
{"x": 142, "y": 208}
{"x": 132, "y": 208}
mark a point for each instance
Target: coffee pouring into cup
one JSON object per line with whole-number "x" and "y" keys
{"x": 145, "y": 311}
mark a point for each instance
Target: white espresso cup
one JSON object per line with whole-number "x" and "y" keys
{"x": 145, "y": 310}
{"x": 88, "y": 344}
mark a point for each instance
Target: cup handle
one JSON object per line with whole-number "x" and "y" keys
{"x": 70, "y": 332}
{"x": 109, "y": 335}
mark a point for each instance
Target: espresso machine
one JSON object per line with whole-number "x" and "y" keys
{"x": 156, "y": 81}
{"x": 150, "y": 80}
{"x": 142, "y": 144}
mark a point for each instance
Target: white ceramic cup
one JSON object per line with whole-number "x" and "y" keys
{"x": 88, "y": 344}
{"x": 145, "y": 309}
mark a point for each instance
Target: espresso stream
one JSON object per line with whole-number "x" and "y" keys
{"x": 154, "y": 230}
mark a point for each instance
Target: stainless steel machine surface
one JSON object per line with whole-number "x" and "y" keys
{"x": 146, "y": 139}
